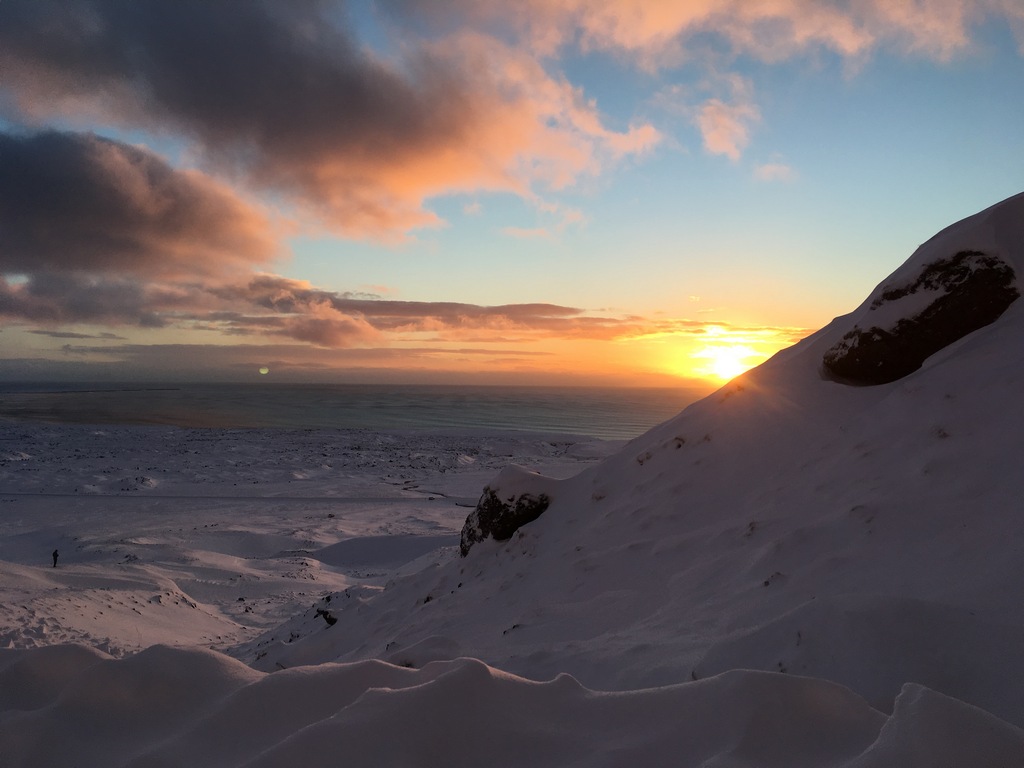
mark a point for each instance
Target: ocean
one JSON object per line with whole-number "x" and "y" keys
{"x": 606, "y": 413}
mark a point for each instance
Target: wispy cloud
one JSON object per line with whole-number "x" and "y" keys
{"x": 725, "y": 127}
{"x": 698, "y": 35}
{"x": 75, "y": 335}
{"x": 269, "y": 307}
{"x": 724, "y": 120}
{"x": 662, "y": 34}
{"x": 523, "y": 233}
{"x": 774, "y": 171}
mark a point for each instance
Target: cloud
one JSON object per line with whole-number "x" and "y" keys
{"x": 101, "y": 232}
{"x": 286, "y": 296}
{"x": 269, "y": 307}
{"x": 1014, "y": 13}
{"x": 74, "y": 335}
{"x": 724, "y": 120}
{"x": 440, "y": 356}
{"x": 670, "y": 36}
{"x": 62, "y": 299}
{"x": 98, "y": 231}
{"x": 79, "y": 203}
{"x": 666, "y": 33}
{"x": 523, "y": 233}
{"x": 774, "y": 171}
{"x": 265, "y": 306}
{"x": 645, "y": 329}
{"x": 281, "y": 96}
{"x": 725, "y": 126}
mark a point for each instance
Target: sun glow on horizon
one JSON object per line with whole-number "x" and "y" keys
{"x": 718, "y": 352}
{"x": 727, "y": 361}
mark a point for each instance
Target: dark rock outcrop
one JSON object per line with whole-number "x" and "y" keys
{"x": 972, "y": 290}
{"x": 328, "y": 617}
{"x": 499, "y": 519}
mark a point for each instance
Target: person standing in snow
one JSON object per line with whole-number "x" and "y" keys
{"x": 55, "y": 554}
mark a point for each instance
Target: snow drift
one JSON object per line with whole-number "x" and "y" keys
{"x": 793, "y": 571}
{"x": 166, "y": 707}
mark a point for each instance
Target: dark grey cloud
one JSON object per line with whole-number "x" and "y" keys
{"x": 61, "y": 299}
{"x": 297, "y": 310}
{"x": 265, "y": 305}
{"x": 284, "y": 295}
{"x": 98, "y": 231}
{"x": 75, "y": 335}
{"x": 277, "y": 91}
{"x": 80, "y": 203}
{"x": 282, "y": 96}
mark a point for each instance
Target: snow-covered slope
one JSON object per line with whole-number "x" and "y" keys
{"x": 867, "y": 535}
{"x": 793, "y": 571}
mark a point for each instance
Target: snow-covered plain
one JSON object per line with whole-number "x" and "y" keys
{"x": 792, "y": 572}
{"x": 193, "y": 536}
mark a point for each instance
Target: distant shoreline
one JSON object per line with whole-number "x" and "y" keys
{"x": 604, "y": 413}
{"x": 89, "y": 391}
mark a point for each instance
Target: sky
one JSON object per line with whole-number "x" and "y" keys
{"x": 570, "y": 192}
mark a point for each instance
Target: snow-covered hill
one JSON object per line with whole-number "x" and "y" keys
{"x": 793, "y": 571}
{"x": 868, "y": 535}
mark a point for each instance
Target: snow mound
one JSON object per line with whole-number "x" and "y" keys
{"x": 188, "y": 707}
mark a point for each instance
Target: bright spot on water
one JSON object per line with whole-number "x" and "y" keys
{"x": 264, "y": 370}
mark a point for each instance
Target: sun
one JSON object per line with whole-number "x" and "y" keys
{"x": 727, "y": 361}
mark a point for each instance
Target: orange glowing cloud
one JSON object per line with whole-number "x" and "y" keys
{"x": 658, "y": 33}
{"x": 664, "y": 34}
{"x": 359, "y": 141}
{"x": 355, "y": 141}
{"x": 725, "y": 127}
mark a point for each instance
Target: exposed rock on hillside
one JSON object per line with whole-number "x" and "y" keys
{"x": 949, "y": 299}
{"x": 499, "y": 519}
{"x": 511, "y": 501}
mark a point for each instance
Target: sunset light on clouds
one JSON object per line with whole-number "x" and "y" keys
{"x": 549, "y": 191}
